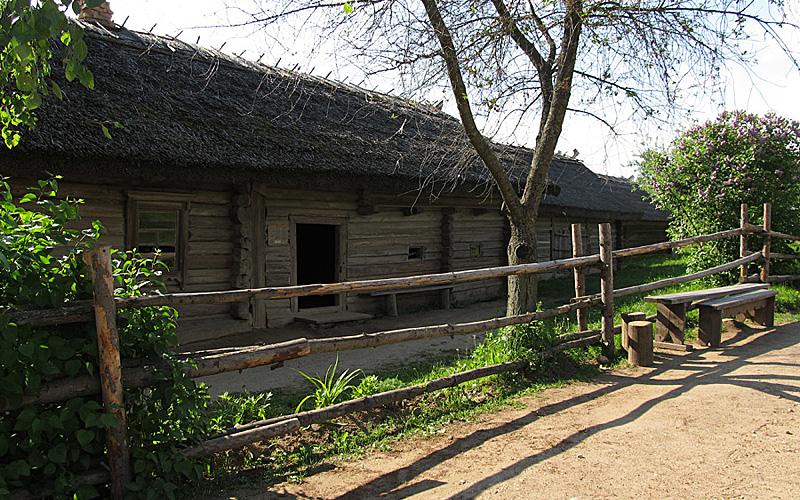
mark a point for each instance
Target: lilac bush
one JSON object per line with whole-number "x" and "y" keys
{"x": 711, "y": 169}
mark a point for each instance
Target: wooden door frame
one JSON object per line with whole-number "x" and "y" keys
{"x": 340, "y": 223}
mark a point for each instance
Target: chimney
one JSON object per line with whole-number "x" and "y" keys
{"x": 101, "y": 15}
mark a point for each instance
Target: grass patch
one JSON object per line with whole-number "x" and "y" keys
{"x": 308, "y": 451}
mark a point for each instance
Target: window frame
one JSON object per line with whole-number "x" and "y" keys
{"x": 180, "y": 202}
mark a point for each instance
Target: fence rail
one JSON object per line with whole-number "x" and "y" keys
{"x": 135, "y": 373}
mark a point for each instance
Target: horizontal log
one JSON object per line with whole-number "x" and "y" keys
{"x": 572, "y": 344}
{"x": 784, "y": 278}
{"x": 96, "y": 477}
{"x": 254, "y": 435}
{"x": 748, "y": 228}
{"x": 75, "y": 312}
{"x": 144, "y": 375}
{"x": 655, "y": 247}
{"x": 753, "y": 278}
{"x": 352, "y": 286}
{"x": 375, "y": 400}
{"x": 669, "y": 346}
{"x": 774, "y": 255}
{"x": 784, "y": 236}
{"x": 392, "y": 337}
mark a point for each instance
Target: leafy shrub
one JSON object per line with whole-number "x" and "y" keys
{"x": 710, "y": 170}
{"x": 44, "y": 447}
{"x": 229, "y": 410}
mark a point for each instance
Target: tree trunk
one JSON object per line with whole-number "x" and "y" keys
{"x": 522, "y": 295}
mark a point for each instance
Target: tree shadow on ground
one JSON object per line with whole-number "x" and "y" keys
{"x": 699, "y": 372}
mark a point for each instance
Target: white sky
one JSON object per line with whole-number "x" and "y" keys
{"x": 776, "y": 88}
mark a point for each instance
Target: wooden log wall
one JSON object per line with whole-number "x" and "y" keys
{"x": 380, "y": 229}
{"x": 210, "y": 242}
{"x": 478, "y": 240}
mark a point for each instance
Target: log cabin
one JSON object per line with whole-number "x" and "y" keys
{"x": 244, "y": 175}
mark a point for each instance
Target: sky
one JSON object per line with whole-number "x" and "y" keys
{"x": 773, "y": 85}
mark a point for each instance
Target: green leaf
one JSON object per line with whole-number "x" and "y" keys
{"x": 23, "y": 52}
{"x": 33, "y": 101}
{"x": 57, "y": 91}
{"x": 28, "y": 198}
{"x": 58, "y": 454}
{"x": 25, "y": 82}
{"x": 105, "y": 131}
{"x": 80, "y": 49}
{"x": 85, "y": 438}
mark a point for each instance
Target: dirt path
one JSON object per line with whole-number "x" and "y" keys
{"x": 712, "y": 424}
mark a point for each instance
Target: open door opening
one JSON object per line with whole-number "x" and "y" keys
{"x": 317, "y": 261}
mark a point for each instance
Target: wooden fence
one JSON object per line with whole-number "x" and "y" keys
{"x": 112, "y": 377}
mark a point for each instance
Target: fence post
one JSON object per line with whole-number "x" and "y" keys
{"x": 743, "y": 220}
{"x": 607, "y": 288}
{"x": 105, "y": 313}
{"x": 580, "y": 275}
{"x": 767, "y": 242}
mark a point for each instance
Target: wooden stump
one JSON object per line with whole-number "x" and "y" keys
{"x": 640, "y": 343}
{"x": 627, "y": 319}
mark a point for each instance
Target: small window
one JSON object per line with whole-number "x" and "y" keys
{"x": 475, "y": 250}
{"x": 414, "y": 253}
{"x": 157, "y": 223}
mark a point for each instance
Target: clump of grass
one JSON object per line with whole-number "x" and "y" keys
{"x": 330, "y": 388}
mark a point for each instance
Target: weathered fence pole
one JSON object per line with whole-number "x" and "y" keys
{"x": 580, "y": 275}
{"x": 743, "y": 220}
{"x": 105, "y": 313}
{"x": 627, "y": 319}
{"x": 640, "y": 343}
{"x": 767, "y": 242}
{"x": 607, "y": 288}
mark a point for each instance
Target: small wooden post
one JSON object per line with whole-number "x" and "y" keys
{"x": 607, "y": 289}
{"x": 627, "y": 319}
{"x": 579, "y": 275}
{"x": 767, "y": 242}
{"x": 743, "y": 241}
{"x": 640, "y": 349}
{"x": 105, "y": 312}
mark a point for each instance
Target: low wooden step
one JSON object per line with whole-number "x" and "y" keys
{"x": 330, "y": 318}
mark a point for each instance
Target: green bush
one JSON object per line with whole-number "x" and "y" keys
{"x": 710, "y": 170}
{"x": 44, "y": 447}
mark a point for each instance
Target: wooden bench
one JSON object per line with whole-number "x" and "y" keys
{"x": 760, "y": 302}
{"x": 391, "y": 296}
{"x": 672, "y": 308}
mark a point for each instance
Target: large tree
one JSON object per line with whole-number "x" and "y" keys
{"x": 536, "y": 61}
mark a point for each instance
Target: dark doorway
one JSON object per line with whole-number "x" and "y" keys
{"x": 316, "y": 260}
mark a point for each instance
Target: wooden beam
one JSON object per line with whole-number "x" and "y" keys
{"x": 607, "y": 288}
{"x": 743, "y": 251}
{"x": 667, "y": 245}
{"x": 110, "y": 368}
{"x": 579, "y": 275}
{"x": 176, "y": 299}
{"x": 767, "y": 242}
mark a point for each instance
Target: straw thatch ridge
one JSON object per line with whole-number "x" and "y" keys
{"x": 188, "y": 113}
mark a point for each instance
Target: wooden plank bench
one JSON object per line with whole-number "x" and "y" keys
{"x": 672, "y": 308}
{"x": 760, "y": 302}
{"x": 391, "y": 296}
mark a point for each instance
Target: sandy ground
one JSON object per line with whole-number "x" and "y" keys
{"x": 710, "y": 424}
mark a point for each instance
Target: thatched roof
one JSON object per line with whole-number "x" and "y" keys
{"x": 584, "y": 193}
{"x": 188, "y": 113}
